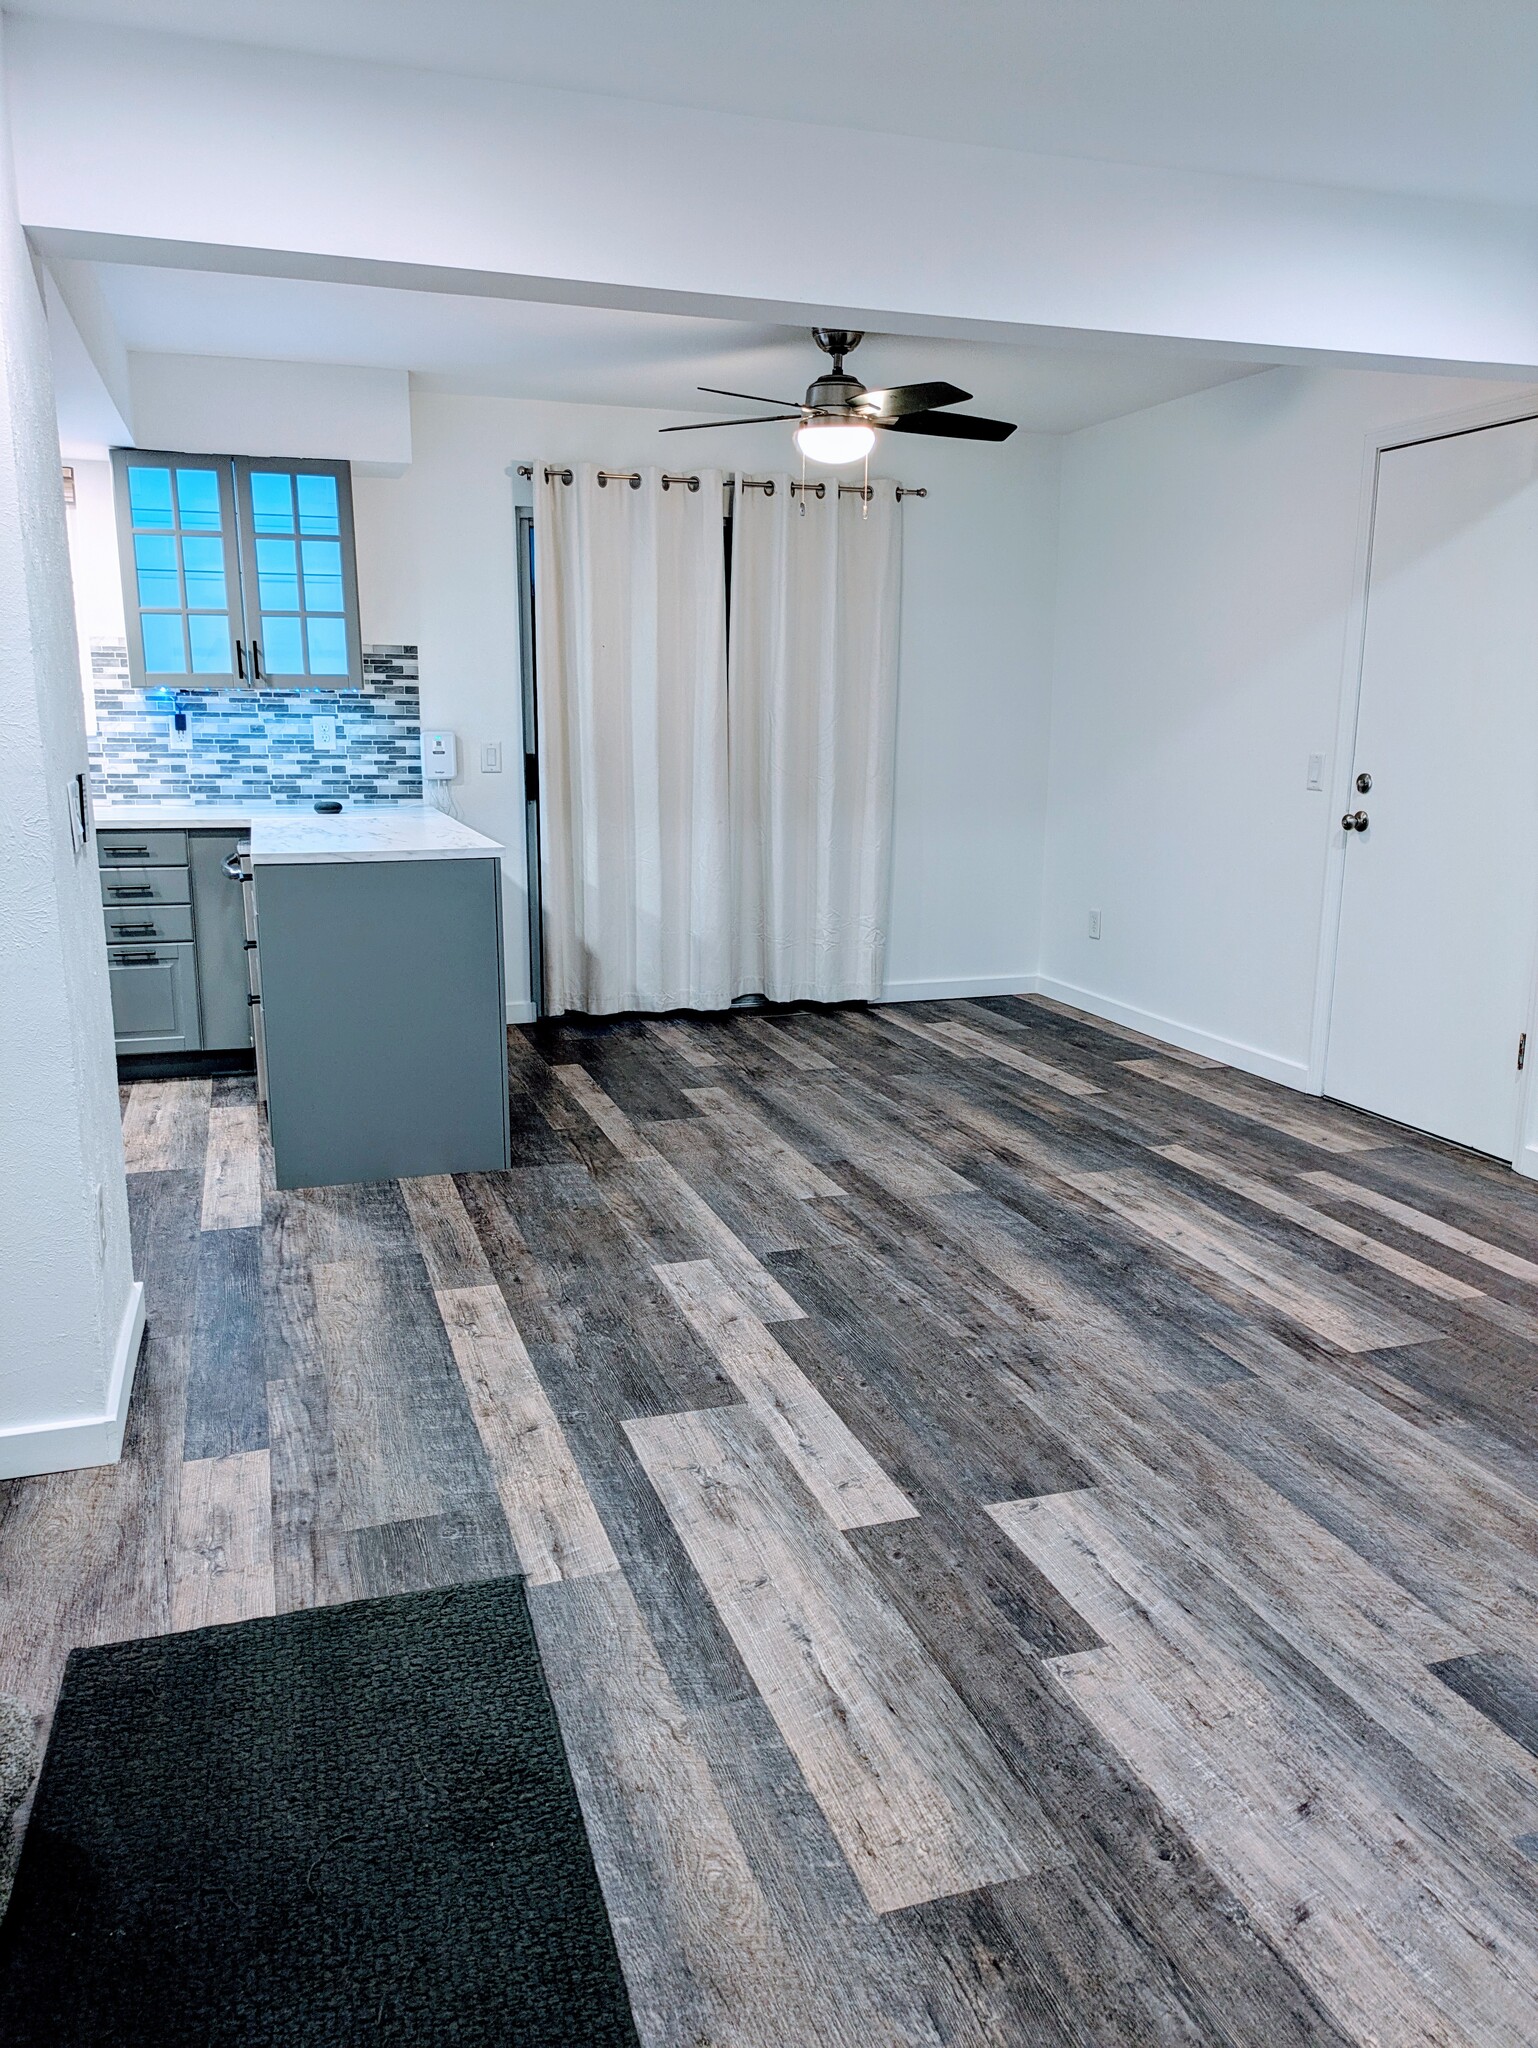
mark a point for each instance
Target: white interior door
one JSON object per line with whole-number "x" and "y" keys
{"x": 1440, "y": 912}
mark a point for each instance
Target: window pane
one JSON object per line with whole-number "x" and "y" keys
{"x": 277, "y": 575}
{"x": 328, "y": 646}
{"x": 203, "y": 565}
{"x": 322, "y": 574}
{"x": 317, "y": 504}
{"x": 149, "y": 497}
{"x": 210, "y": 636}
{"x": 197, "y": 499}
{"x": 155, "y": 561}
{"x": 282, "y": 649}
{"x": 272, "y": 502}
{"x": 165, "y": 652}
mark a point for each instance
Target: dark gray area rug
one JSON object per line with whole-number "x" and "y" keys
{"x": 354, "y": 1824}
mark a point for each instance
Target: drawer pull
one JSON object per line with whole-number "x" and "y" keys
{"x": 136, "y": 959}
{"x": 134, "y": 931}
{"x": 139, "y": 889}
{"x": 127, "y": 852}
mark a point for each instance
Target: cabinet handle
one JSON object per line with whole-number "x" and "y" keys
{"x": 256, "y": 662}
{"x": 139, "y": 889}
{"x": 136, "y": 959}
{"x": 134, "y": 931}
{"x": 252, "y": 1001}
{"x": 240, "y": 661}
{"x": 126, "y": 852}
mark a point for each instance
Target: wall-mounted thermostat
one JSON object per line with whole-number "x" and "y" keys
{"x": 440, "y": 756}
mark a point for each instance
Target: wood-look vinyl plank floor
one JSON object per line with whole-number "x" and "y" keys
{"x": 1033, "y": 1535}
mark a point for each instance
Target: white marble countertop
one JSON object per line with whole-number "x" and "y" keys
{"x": 284, "y": 834}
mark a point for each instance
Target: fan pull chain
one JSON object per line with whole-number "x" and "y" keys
{"x": 865, "y": 489}
{"x": 800, "y": 496}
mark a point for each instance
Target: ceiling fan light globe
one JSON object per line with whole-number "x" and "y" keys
{"x": 835, "y": 441}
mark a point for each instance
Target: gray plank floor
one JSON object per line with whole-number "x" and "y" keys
{"x": 1034, "y": 1536}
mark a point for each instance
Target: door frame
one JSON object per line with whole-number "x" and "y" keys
{"x": 529, "y": 761}
{"x": 1472, "y": 419}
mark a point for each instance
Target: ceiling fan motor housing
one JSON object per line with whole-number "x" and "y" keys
{"x": 834, "y": 393}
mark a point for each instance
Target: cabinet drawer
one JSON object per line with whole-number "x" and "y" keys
{"x": 154, "y": 998}
{"x": 121, "y": 888}
{"x": 134, "y": 923}
{"x": 142, "y": 849}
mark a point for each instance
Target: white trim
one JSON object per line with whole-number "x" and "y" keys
{"x": 977, "y": 985}
{"x": 521, "y": 1013}
{"x": 1250, "y": 1059}
{"x": 1471, "y": 419}
{"x": 91, "y": 1439}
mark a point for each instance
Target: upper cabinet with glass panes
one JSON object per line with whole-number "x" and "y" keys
{"x": 237, "y": 571}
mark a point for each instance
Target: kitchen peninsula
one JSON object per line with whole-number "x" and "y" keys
{"x": 374, "y": 943}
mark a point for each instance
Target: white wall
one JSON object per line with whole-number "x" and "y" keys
{"x": 1207, "y": 550}
{"x": 69, "y": 1330}
{"x": 516, "y": 188}
{"x": 239, "y": 405}
{"x": 436, "y": 567}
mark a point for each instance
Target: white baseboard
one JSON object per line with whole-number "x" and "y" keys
{"x": 521, "y": 1013}
{"x": 1526, "y": 1161}
{"x": 90, "y": 1439}
{"x": 952, "y": 991}
{"x": 1249, "y": 1059}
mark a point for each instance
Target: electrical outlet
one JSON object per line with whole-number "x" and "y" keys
{"x": 491, "y": 758}
{"x": 324, "y": 731}
{"x": 1316, "y": 771}
{"x": 1094, "y": 924}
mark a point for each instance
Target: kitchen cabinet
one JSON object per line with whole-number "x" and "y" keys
{"x": 384, "y": 1017}
{"x": 175, "y": 936}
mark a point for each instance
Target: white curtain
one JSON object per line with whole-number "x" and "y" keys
{"x": 630, "y": 626}
{"x": 816, "y": 586}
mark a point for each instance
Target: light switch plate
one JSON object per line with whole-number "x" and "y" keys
{"x": 1094, "y": 924}
{"x": 491, "y": 758}
{"x": 1316, "y": 771}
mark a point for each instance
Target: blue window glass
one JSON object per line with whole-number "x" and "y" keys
{"x": 328, "y": 646}
{"x": 203, "y": 567}
{"x": 209, "y": 633}
{"x": 272, "y": 502}
{"x": 322, "y": 575}
{"x": 197, "y": 500}
{"x": 317, "y": 504}
{"x": 155, "y": 563}
{"x": 282, "y": 647}
{"x": 149, "y": 497}
{"x": 278, "y": 575}
{"x": 165, "y": 651}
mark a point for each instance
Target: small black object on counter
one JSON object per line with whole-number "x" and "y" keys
{"x": 327, "y": 804}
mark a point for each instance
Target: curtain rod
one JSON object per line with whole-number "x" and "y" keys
{"x": 749, "y": 483}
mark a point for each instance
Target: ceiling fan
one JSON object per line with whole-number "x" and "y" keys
{"x": 839, "y": 417}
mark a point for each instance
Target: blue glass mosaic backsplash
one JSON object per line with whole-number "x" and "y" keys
{"x": 259, "y": 744}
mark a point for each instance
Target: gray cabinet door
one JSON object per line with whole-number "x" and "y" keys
{"x": 154, "y": 998}
{"x": 223, "y": 986}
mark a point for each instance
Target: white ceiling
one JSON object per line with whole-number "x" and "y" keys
{"x": 1416, "y": 96}
{"x": 596, "y": 355}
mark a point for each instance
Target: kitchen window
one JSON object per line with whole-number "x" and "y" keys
{"x": 238, "y": 571}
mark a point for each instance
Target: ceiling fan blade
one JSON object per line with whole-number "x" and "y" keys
{"x": 753, "y": 397}
{"x": 898, "y": 399}
{"x": 694, "y": 426}
{"x": 953, "y": 426}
